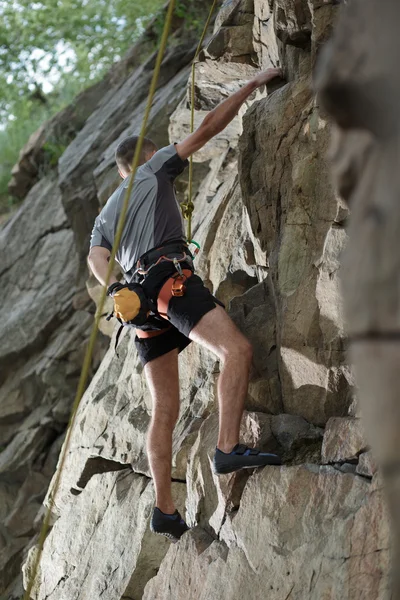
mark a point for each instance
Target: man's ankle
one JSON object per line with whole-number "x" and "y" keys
{"x": 226, "y": 447}
{"x": 166, "y": 508}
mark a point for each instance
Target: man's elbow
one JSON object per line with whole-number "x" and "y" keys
{"x": 96, "y": 253}
{"x": 91, "y": 255}
{"x": 90, "y": 259}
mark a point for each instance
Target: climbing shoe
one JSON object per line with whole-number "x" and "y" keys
{"x": 171, "y": 526}
{"x": 242, "y": 457}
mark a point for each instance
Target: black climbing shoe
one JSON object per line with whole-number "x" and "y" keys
{"x": 242, "y": 457}
{"x": 172, "y": 526}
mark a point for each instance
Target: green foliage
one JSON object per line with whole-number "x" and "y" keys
{"x": 50, "y": 50}
{"x": 53, "y": 150}
{"x": 194, "y": 14}
{"x": 28, "y": 116}
{"x": 12, "y": 140}
{"x": 45, "y": 39}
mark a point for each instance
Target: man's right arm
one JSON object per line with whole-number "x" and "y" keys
{"x": 98, "y": 260}
{"x": 223, "y": 114}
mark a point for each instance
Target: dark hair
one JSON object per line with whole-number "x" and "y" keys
{"x": 126, "y": 150}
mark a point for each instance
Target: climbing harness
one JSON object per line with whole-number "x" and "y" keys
{"x": 188, "y": 207}
{"x": 131, "y": 307}
{"x": 168, "y": 253}
{"x": 178, "y": 254}
{"x": 90, "y": 347}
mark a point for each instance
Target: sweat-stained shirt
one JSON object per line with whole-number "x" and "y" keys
{"x": 154, "y": 216}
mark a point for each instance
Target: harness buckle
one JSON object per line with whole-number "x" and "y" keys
{"x": 178, "y": 287}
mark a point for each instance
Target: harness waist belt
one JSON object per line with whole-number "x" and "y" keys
{"x": 150, "y": 257}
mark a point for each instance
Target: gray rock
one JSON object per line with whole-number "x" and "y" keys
{"x": 291, "y": 431}
{"x": 303, "y": 242}
{"x": 114, "y": 542}
{"x": 20, "y": 519}
{"x": 271, "y": 230}
{"x": 346, "y": 468}
{"x": 254, "y": 313}
{"x": 22, "y": 451}
{"x": 10, "y": 561}
{"x": 293, "y": 22}
{"x": 36, "y": 277}
{"x": 359, "y": 86}
{"x": 344, "y": 440}
{"x": 235, "y": 12}
{"x": 292, "y": 524}
{"x": 264, "y": 38}
{"x": 366, "y": 464}
{"x": 236, "y": 41}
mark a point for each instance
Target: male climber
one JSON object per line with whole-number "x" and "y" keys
{"x": 169, "y": 305}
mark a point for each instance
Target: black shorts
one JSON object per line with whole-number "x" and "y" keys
{"x": 183, "y": 314}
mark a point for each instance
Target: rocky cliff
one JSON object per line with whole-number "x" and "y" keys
{"x": 271, "y": 229}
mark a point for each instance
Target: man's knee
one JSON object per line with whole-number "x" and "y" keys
{"x": 165, "y": 418}
{"x": 240, "y": 349}
{"x": 246, "y": 350}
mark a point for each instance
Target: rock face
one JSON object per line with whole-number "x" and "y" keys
{"x": 271, "y": 229}
{"x": 299, "y": 532}
{"x": 344, "y": 440}
{"x": 74, "y": 573}
{"x": 41, "y": 340}
{"x": 359, "y": 84}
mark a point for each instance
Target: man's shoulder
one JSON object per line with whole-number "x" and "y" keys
{"x": 159, "y": 158}
{"x": 167, "y": 160}
{"x": 143, "y": 176}
{"x": 116, "y": 195}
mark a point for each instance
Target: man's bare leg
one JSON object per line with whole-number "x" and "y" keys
{"x": 163, "y": 381}
{"x": 217, "y": 332}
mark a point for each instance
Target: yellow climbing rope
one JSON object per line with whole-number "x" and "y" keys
{"x": 188, "y": 207}
{"x": 89, "y": 352}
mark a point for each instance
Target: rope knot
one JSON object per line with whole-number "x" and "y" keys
{"x": 187, "y": 209}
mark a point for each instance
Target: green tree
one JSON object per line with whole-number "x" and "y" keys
{"x": 50, "y": 51}
{"x": 42, "y": 42}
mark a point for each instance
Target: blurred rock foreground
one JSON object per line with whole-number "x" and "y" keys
{"x": 271, "y": 229}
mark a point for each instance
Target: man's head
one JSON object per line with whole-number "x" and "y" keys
{"x": 126, "y": 150}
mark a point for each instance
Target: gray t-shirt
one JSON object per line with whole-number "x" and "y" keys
{"x": 154, "y": 216}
